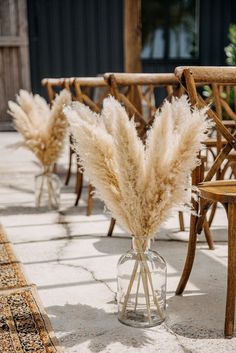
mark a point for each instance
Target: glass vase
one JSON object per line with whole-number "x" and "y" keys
{"x": 141, "y": 286}
{"x": 47, "y": 189}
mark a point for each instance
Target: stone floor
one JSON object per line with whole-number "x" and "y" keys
{"x": 72, "y": 262}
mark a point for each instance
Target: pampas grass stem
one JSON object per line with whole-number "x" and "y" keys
{"x": 146, "y": 292}
{"x": 137, "y": 290}
{"x": 147, "y": 271}
{"x": 38, "y": 202}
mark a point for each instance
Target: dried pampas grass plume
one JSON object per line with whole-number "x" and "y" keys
{"x": 139, "y": 183}
{"x": 42, "y": 128}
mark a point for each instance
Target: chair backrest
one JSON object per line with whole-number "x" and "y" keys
{"x": 91, "y": 91}
{"x": 53, "y": 85}
{"x": 218, "y": 78}
{"x": 138, "y": 93}
{"x": 88, "y": 90}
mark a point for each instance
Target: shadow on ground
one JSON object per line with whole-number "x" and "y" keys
{"x": 82, "y": 323}
{"x": 200, "y": 311}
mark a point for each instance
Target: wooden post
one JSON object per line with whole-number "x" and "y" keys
{"x": 132, "y": 36}
{"x": 132, "y": 44}
{"x": 14, "y": 55}
{"x": 24, "y": 48}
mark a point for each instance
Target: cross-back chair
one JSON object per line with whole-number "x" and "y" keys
{"x": 224, "y": 100}
{"x": 54, "y": 86}
{"x": 88, "y": 90}
{"x": 91, "y": 91}
{"x": 139, "y": 94}
{"x": 142, "y": 94}
{"x": 221, "y": 190}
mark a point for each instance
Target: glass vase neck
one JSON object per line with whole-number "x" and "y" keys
{"x": 47, "y": 169}
{"x": 140, "y": 244}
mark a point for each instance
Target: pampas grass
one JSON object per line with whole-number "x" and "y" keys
{"x": 43, "y": 129}
{"x": 139, "y": 183}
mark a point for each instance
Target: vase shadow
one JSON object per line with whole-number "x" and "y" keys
{"x": 84, "y": 323}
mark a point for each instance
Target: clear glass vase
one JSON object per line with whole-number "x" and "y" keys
{"x": 47, "y": 189}
{"x": 141, "y": 286}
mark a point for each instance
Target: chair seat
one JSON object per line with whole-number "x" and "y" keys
{"x": 223, "y": 191}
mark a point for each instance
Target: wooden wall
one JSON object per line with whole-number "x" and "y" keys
{"x": 14, "y": 63}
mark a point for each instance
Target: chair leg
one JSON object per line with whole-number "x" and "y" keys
{"x": 212, "y": 214}
{"x": 68, "y": 175}
{"x": 111, "y": 227}
{"x": 79, "y": 185}
{"x": 181, "y": 221}
{"x": 208, "y": 235}
{"x": 231, "y": 279}
{"x": 190, "y": 256}
{"x": 90, "y": 200}
{"x": 202, "y": 222}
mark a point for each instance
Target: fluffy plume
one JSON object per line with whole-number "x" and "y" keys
{"x": 139, "y": 183}
{"x": 42, "y": 128}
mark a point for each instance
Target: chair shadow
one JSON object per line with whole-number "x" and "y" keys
{"x": 192, "y": 316}
{"x": 21, "y": 209}
{"x": 19, "y": 188}
{"x": 200, "y": 312}
{"x": 113, "y": 245}
{"x": 96, "y": 326}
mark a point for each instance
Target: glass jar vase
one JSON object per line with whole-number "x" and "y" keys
{"x": 47, "y": 189}
{"x": 141, "y": 286}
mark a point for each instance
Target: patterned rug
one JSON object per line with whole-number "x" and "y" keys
{"x": 24, "y": 324}
{"x": 6, "y": 253}
{"x": 3, "y": 236}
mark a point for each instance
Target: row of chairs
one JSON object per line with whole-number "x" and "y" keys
{"x": 142, "y": 94}
{"x": 137, "y": 92}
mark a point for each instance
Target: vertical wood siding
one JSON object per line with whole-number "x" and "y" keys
{"x": 14, "y": 64}
{"x": 74, "y": 38}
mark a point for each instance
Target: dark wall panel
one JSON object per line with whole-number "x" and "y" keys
{"x": 74, "y": 38}
{"x": 215, "y": 17}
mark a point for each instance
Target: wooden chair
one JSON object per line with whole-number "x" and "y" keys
{"x": 222, "y": 94}
{"x": 90, "y": 91}
{"x": 225, "y": 192}
{"x": 213, "y": 191}
{"x": 53, "y": 86}
{"x": 139, "y": 94}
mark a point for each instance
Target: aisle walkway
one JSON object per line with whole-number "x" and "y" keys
{"x": 67, "y": 255}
